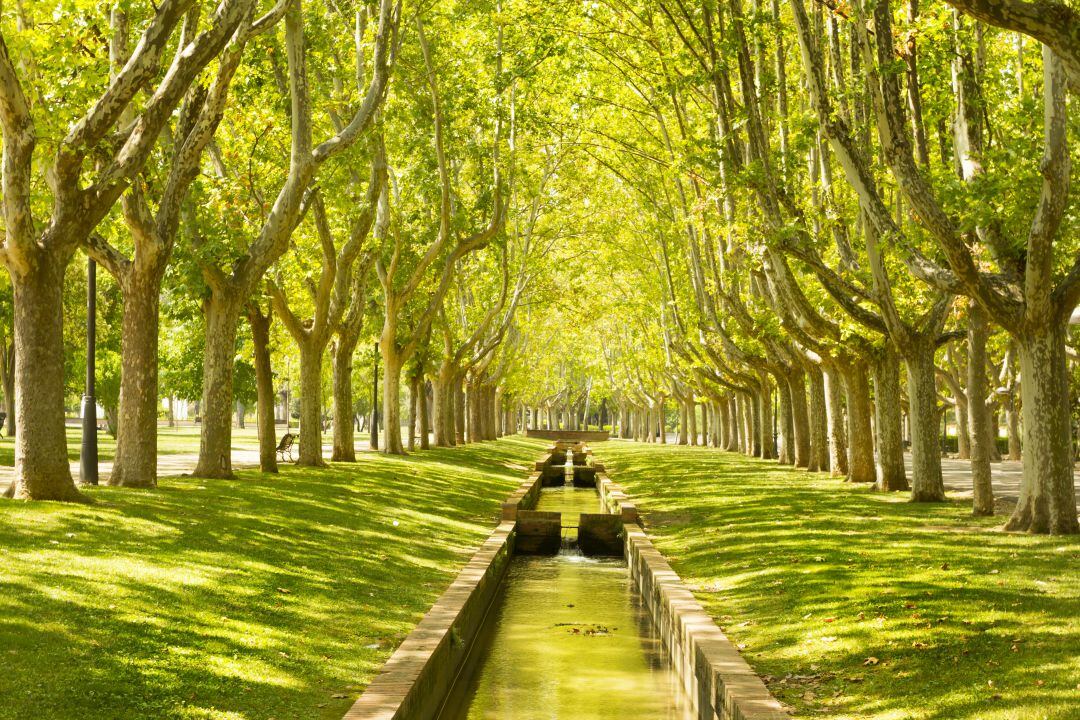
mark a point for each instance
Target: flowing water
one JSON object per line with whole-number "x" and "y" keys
{"x": 570, "y": 501}
{"x": 567, "y": 640}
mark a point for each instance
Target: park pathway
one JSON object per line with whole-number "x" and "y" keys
{"x": 956, "y": 473}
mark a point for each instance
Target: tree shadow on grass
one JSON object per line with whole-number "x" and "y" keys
{"x": 263, "y": 596}
{"x": 859, "y": 604}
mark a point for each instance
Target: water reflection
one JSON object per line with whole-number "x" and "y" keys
{"x": 567, "y": 640}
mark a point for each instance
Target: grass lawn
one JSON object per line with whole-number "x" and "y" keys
{"x": 855, "y": 604}
{"x": 262, "y": 597}
{"x": 171, "y": 441}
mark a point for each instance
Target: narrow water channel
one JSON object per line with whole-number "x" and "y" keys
{"x": 567, "y": 640}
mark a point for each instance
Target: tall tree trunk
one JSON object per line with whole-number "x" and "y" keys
{"x": 457, "y": 391}
{"x": 344, "y": 431}
{"x": 1012, "y": 424}
{"x": 41, "y": 463}
{"x": 800, "y": 417}
{"x": 441, "y": 408}
{"x": 8, "y": 369}
{"x": 264, "y": 387}
{"x": 1047, "y": 493}
{"x": 136, "y": 439}
{"x": 963, "y": 432}
{"x": 735, "y": 430}
{"x": 834, "y": 415}
{"x": 425, "y": 418}
{"x": 311, "y": 358}
{"x": 819, "y": 421}
{"x": 391, "y": 414}
{"x": 473, "y": 417}
{"x": 215, "y": 444}
{"x": 765, "y": 420}
{"x": 691, "y": 417}
{"x": 995, "y": 432}
{"x": 859, "y": 433}
{"x": 414, "y": 400}
{"x": 681, "y": 434}
{"x": 892, "y": 476}
{"x": 978, "y": 412}
{"x": 786, "y": 454}
{"x": 926, "y": 482}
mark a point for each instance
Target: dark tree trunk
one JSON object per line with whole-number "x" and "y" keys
{"x": 786, "y": 450}
{"x": 926, "y": 482}
{"x": 136, "y": 441}
{"x": 311, "y": 361}
{"x": 41, "y": 463}
{"x": 344, "y": 430}
{"x": 1047, "y": 494}
{"x": 859, "y": 434}
{"x": 425, "y": 418}
{"x": 979, "y": 413}
{"x": 215, "y": 445}
{"x": 892, "y": 476}
{"x": 264, "y": 387}
{"x": 414, "y": 401}
{"x": 834, "y": 412}
{"x": 800, "y": 417}
{"x": 819, "y": 421}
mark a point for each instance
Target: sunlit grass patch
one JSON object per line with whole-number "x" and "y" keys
{"x": 264, "y": 596}
{"x": 855, "y": 604}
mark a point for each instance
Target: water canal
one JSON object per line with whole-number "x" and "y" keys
{"x": 567, "y": 639}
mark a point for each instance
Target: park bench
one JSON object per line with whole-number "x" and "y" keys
{"x": 285, "y": 447}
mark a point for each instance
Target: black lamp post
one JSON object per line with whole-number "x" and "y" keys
{"x": 375, "y": 402}
{"x": 88, "y": 458}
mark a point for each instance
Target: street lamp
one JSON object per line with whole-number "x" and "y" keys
{"x": 88, "y": 458}
{"x": 375, "y": 402}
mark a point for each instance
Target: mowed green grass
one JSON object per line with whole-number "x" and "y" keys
{"x": 171, "y": 441}
{"x": 855, "y": 604}
{"x": 260, "y": 597}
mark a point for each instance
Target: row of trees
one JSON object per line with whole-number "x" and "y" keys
{"x": 856, "y": 214}
{"x": 245, "y": 160}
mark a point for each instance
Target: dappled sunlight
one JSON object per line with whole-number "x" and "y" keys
{"x": 858, "y": 604}
{"x": 263, "y": 596}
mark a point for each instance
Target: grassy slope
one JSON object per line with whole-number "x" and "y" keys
{"x": 814, "y": 577}
{"x": 263, "y": 597}
{"x": 171, "y": 441}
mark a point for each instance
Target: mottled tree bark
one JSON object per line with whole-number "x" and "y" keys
{"x": 800, "y": 418}
{"x": 892, "y": 476}
{"x": 786, "y": 450}
{"x": 41, "y": 464}
{"x": 221, "y": 311}
{"x": 979, "y": 413}
{"x": 264, "y": 385}
{"x": 834, "y": 412}
{"x": 344, "y": 430}
{"x": 819, "y": 422}
{"x": 859, "y": 434}
{"x": 136, "y": 439}
{"x": 1047, "y": 500}
{"x": 926, "y": 481}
